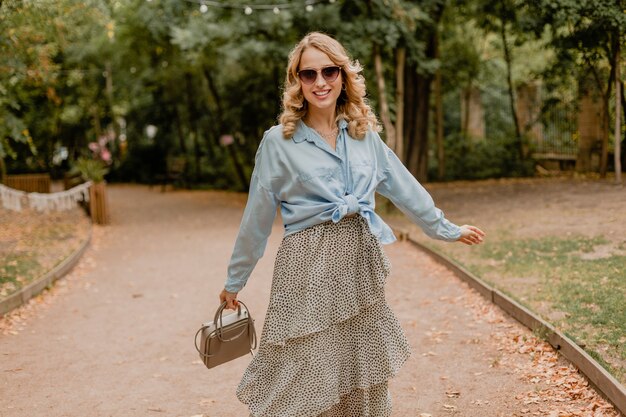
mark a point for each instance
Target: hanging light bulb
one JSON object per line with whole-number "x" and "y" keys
{"x": 204, "y": 8}
{"x": 309, "y": 7}
{"x": 248, "y": 10}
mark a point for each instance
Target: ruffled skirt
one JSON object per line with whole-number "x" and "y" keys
{"x": 329, "y": 342}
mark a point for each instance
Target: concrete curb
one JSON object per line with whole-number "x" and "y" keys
{"x": 23, "y": 295}
{"x": 604, "y": 382}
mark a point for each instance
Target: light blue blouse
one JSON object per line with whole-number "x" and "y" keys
{"x": 313, "y": 184}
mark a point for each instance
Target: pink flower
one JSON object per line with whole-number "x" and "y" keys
{"x": 226, "y": 140}
{"x": 105, "y": 155}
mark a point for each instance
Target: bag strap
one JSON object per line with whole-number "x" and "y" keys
{"x": 219, "y": 317}
{"x": 218, "y": 314}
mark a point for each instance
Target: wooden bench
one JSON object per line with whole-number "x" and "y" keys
{"x": 174, "y": 172}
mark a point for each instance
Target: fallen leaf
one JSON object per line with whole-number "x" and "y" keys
{"x": 453, "y": 394}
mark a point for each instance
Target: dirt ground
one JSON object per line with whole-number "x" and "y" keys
{"x": 533, "y": 208}
{"x": 114, "y": 338}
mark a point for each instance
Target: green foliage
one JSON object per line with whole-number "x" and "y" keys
{"x": 493, "y": 157}
{"x": 90, "y": 169}
{"x": 74, "y": 71}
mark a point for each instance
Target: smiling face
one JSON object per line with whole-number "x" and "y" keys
{"x": 322, "y": 94}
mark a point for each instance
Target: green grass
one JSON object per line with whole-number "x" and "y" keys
{"x": 15, "y": 269}
{"x": 32, "y": 244}
{"x": 549, "y": 276}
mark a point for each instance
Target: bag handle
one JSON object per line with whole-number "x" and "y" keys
{"x": 218, "y": 315}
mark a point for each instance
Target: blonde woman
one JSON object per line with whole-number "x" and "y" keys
{"x": 329, "y": 342}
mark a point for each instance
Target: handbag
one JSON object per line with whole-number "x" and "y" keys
{"x": 227, "y": 337}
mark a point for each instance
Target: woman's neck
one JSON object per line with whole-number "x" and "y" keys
{"x": 321, "y": 120}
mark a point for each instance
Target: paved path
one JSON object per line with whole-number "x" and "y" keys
{"x": 118, "y": 341}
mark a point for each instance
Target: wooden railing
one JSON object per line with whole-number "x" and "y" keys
{"x": 31, "y": 183}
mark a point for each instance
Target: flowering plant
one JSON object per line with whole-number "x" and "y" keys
{"x": 100, "y": 150}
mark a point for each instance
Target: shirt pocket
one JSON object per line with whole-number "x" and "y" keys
{"x": 316, "y": 180}
{"x": 362, "y": 173}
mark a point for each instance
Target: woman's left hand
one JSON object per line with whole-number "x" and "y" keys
{"x": 471, "y": 235}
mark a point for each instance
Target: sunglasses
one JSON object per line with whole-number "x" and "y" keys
{"x": 309, "y": 76}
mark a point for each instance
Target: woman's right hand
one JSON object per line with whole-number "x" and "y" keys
{"x": 230, "y": 298}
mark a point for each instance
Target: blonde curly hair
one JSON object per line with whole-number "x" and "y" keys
{"x": 351, "y": 104}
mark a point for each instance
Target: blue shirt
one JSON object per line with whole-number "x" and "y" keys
{"x": 312, "y": 184}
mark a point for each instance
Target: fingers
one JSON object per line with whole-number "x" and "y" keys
{"x": 471, "y": 235}
{"x": 230, "y": 299}
{"x": 477, "y": 230}
{"x": 233, "y": 304}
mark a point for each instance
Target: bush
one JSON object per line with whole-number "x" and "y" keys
{"x": 90, "y": 169}
{"x": 492, "y": 157}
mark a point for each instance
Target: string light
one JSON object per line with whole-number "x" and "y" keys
{"x": 249, "y": 9}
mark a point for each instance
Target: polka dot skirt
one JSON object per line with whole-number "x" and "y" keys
{"x": 329, "y": 342}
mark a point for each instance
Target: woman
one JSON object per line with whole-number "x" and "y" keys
{"x": 329, "y": 342}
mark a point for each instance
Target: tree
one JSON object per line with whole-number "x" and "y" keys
{"x": 587, "y": 34}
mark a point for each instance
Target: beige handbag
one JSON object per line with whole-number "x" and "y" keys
{"x": 227, "y": 337}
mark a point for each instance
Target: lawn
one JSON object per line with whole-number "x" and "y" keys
{"x": 556, "y": 245}
{"x": 33, "y": 243}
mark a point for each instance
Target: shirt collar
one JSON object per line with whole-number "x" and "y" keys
{"x": 303, "y": 132}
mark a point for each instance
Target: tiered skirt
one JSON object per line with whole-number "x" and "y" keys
{"x": 329, "y": 342}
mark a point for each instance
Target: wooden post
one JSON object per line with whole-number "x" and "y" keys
{"x": 98, "y": 204}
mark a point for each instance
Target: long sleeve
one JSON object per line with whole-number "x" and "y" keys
{"x": 255, "y": 228}
{"x": 406, "y": 193}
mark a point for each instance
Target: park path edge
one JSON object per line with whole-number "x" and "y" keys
{"x": 38, "y": 285}
{"x": 605, "y": 383}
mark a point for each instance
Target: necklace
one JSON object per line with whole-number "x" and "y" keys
{"x": 328, "y": 136}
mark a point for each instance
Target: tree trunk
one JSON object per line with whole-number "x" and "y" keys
{"x": 181, "y": 134}
{"x": 439, "y": 115}
{"x": 509, "y": 79}
{"x": 400, "y": 63}
{"x": 615, "y": 49}
{"x": 390, "y": 131}
{"x": 466, "y": 99}
{"x": 193, "y": 116}
{"x": 417, "y": 155}
{"x": 409, "y": 110}
{"x": 618, "y": 119}
{"x": 623, "y": 142}
{"x": 417, "y": 101}
{"x": 232, "y": 151}
{"x": 590, "y": 115}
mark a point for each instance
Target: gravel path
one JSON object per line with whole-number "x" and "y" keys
{"x": 115, "y": 337}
